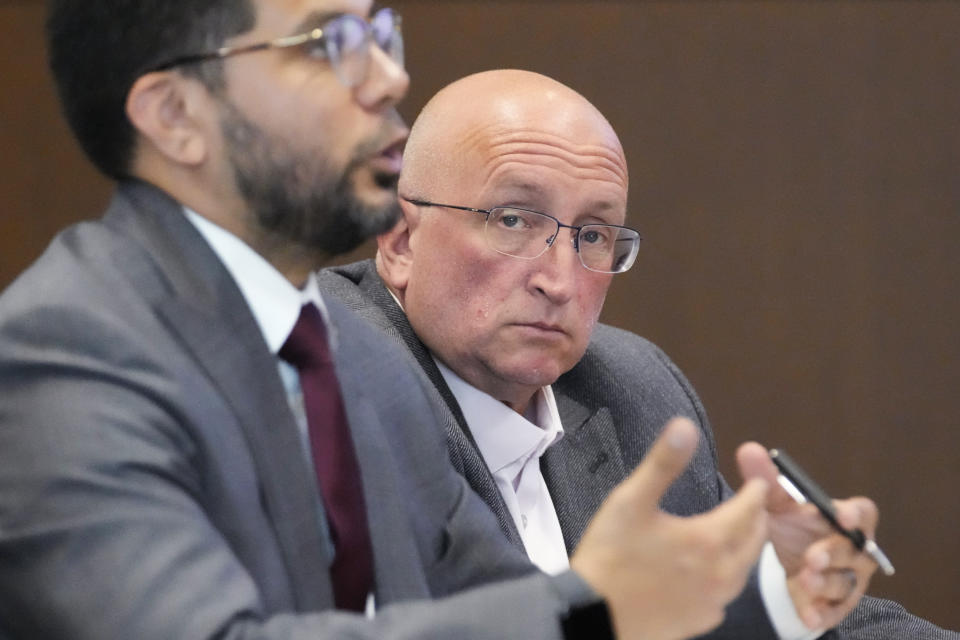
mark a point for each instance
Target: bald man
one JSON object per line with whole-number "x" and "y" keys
{"x": 514, "y": 196}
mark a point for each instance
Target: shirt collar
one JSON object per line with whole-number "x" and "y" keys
{"x": 274, "y": 301}
{"x": 505, "y": 438}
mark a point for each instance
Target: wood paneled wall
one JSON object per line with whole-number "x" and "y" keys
{"x": 794, "y": 170}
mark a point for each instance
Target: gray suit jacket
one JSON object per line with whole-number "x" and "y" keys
{"x": 613, "y": 404}
{"x": 152, "y": 481}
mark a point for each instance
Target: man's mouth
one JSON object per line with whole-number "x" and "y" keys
{"x": 387, "y": 161}
{"x": 545, "y": 328}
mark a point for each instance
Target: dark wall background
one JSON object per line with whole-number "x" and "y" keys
{"x": 794, "y": 172}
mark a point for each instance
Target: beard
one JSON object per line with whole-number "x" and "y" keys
{"x": 297, "y": 196}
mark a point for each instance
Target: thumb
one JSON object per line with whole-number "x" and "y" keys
{"x": 665, "y": 461}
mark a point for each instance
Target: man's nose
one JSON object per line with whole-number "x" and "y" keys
{"x": 386, "y": 82}
{"x": 555, "y": 271}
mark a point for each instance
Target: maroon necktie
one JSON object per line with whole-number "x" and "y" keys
{"x": 333, "y": 458}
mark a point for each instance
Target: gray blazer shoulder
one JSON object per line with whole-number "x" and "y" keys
{"x": 644, "y": 389}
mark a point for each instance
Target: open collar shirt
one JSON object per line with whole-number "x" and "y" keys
{"x": 511, "y": 445}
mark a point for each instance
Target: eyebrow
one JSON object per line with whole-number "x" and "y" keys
{"x": 314, "y": 20}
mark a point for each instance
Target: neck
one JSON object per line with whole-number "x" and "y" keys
{"x": 293, "y": 260}
{"x": 516, "y": 396}
{"x": 520, "y": 404}
{"x": 230, "y": 212}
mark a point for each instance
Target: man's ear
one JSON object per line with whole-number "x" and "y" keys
{"x": 167, "y": 109}
{"x": 395, "y": 250}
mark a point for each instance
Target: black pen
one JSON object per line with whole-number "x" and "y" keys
{"x": 802, "y": 488}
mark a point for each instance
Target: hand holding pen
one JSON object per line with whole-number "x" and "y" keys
{"x": 826, "y": 575}
{"x": 802, "y": 489}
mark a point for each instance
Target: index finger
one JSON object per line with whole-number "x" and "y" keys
{"x": 858, "y": 513}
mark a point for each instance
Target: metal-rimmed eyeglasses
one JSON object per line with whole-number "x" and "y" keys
{"x": 344, "y": 41}
{"x": 525, "y": 234}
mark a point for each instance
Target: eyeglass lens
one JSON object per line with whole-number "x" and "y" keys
{"x": 347, "y": 42}
{"x": 527, "y": 234}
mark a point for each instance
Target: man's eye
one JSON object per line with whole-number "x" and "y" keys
{"x": 515, "y": 222}
{"x": 594, "y": 236}
{"x": 511, "y": 221}
{"x": 316, "y": 49}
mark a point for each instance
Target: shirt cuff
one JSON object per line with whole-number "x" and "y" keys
{"x": 777, "y": 600}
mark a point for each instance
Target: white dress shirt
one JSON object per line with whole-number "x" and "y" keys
{"x": 511, "y": 446}
{"x": 275, "y": 304}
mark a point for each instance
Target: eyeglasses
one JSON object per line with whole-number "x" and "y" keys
{"x": 344, "y": 41}
{"x": 520, "y": 233}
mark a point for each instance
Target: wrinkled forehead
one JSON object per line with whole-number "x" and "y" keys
{"x": 552, "y": 126}
{"x": 497, "y": 152}
{"x": 564, "y": 161}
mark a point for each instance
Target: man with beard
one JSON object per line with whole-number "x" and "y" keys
{"x": 195, "y": 444}
{"x": 514, "y": 197}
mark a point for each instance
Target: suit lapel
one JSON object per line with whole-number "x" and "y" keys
{"x": 583, "y": 466}
{"x": 200, "y": 302}
{"x": 358, "y": 285}
{"x": 259, "y": 402}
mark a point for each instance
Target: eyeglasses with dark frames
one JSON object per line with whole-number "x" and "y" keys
{"x": 344, "y": 41}
{"x": 525, "y": 234}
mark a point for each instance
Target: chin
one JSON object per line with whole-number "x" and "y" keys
{"x": 535, "y": 374}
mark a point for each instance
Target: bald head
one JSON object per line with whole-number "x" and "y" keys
{"x": 461, "y": 126}
{"x": 511, "y": 184}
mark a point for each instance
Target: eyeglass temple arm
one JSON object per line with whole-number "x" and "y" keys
{"x": 223, "y": 52}
{"x": 424, "y": 203}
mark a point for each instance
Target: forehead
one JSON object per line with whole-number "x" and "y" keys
{"x": 537, "y": 164}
